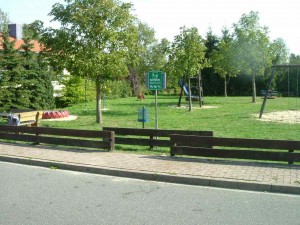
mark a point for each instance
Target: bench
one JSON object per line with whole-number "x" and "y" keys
{"x": 236, "y": 148}
{"x": 31, "y": 118}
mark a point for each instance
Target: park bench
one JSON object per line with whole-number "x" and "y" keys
{"x": 31, "y": 118}
{"x": 236, "y": 148}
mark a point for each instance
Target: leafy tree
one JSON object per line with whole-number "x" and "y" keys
{"x": 4, "y": 21}
{"x": 210, "y": 78}
{"x": 187, "y": 56}
{"x": 93, "y": 40}
{"x": 145, "y": 54}
{"x": 252, "y": 47}
{"x": 139, "y": 55}
{"x": 279, "y": 52}
{"x": 222, "y": 58}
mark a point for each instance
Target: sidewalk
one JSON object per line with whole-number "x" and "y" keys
{"x": 215, "y": 173}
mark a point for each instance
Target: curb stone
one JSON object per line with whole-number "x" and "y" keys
{"x": 188, "y": 180}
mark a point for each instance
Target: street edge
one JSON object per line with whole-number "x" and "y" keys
{"x": 168, "y": 178}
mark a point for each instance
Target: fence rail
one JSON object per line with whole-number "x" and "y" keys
{"x": 238, "y": 148}
{"x": 58, "y": 136}
{"x": 147, "y": 137}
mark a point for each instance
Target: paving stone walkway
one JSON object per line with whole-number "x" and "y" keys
{"x": 242, "y": 175}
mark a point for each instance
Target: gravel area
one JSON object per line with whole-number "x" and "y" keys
{"x": 289, "y": 116}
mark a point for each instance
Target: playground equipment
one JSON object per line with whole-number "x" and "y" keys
{"x": 196, "y": 85}
{"x": 274, "y": 67}
{"x": 55, "y": 114}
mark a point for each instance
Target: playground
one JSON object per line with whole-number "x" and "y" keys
{"x": 227, "y": 117}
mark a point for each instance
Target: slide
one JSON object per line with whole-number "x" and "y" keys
{"x": 186, "y": 90}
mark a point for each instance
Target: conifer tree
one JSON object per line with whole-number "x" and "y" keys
{"x": 10, "y": 73}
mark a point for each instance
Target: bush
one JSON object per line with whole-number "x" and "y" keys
{"x": 117, "y": 89}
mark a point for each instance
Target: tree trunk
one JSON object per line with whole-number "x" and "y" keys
{"x": 253, "y": 87}
{"x": 190, "y": 95}
{"x": 98, "y": 102}
{"x": 200, "y": 88}
{"x": 180, "y": 96}
{"x": 225, "y": 86}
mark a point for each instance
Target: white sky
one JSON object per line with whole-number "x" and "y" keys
{"x": 167, "y": 16}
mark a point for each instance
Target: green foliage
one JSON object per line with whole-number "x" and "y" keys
{"x": 77, "y": 90}
{"x": 117, "y": 89}
{"x": 93, "y": 44}
{"x": 187, "y": 56}
{"x": 4, "y": 21}
{"x": 188, "y": 53}
{"x": 25, "y": 78}
{"x": 252, "y": 47}
{"x": 222, "y": 58}
{"x": 10, "y": 81}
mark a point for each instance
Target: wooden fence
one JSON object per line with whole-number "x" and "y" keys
{"x": 56, "y": 136}
{"x": 253, "y": 149}
{"x": 147, "y": 137}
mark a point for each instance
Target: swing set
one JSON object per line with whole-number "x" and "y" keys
{"x": 274, "y": 67}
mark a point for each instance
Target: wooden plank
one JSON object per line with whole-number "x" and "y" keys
{"x": 17, "y": 137}
{"x": 190, "y": 140}
{"x": 154, "y": 132}
{"x": 57, "y": 141}
{"x": 142, "y": 142}
{"x": 57, "y": 131}
{"x": 237, "y": 154}
{"x": 74, "y": 142}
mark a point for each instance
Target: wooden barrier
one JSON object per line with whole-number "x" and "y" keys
{"x": 134, "y": 136}
{"x": 238, "y": 148}
{"x": 55, "y": 136}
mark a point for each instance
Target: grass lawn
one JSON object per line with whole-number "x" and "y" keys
{"x": 227, "y": 117}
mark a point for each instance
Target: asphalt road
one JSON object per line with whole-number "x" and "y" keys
{"x": 41, "y": 196}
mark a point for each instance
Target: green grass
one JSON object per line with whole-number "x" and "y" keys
{"x": 231, "y": 117}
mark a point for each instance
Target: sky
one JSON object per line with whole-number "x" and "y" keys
{"x": 167, "y": 16}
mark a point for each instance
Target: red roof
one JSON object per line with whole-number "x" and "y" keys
{"x": 18, "y": 43}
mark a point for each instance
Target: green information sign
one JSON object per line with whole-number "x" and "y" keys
{"x": 156, "y": 80}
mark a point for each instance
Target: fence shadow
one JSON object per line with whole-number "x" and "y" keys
{"x": 231, "y": 162}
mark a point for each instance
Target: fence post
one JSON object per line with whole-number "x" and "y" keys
{"x": 291, "y": 162}
{"x": 112, "y": 141}
{"x": 172, "y": 143}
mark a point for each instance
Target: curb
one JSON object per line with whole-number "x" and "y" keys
{"x": 188, "y": 180}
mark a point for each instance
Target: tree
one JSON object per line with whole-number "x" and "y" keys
{"x": 11, "y": 79}
{"x": 139, "y": 62}
{"x": 188, "y": 56}
{"x": 252, "y": 52}
{"x": 4, "y": 21}
{"x": 222, "y": 58}
{"x": 93, "y": 40}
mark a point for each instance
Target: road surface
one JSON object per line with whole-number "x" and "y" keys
{"x": 46, "y": 196}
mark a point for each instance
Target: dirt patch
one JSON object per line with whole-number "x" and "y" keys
{"x": 289, "y": 116}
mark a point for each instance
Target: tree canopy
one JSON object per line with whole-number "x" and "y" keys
{"x": 93, "y": 40}
{"x": 187, "y": 56}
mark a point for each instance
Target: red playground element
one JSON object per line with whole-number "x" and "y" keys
{"x": 55, "y": 114}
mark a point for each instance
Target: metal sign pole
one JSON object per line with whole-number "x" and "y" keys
{"x": 156, "y": 111}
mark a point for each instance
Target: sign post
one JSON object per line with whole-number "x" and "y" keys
{"x": 156, "y": 80}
